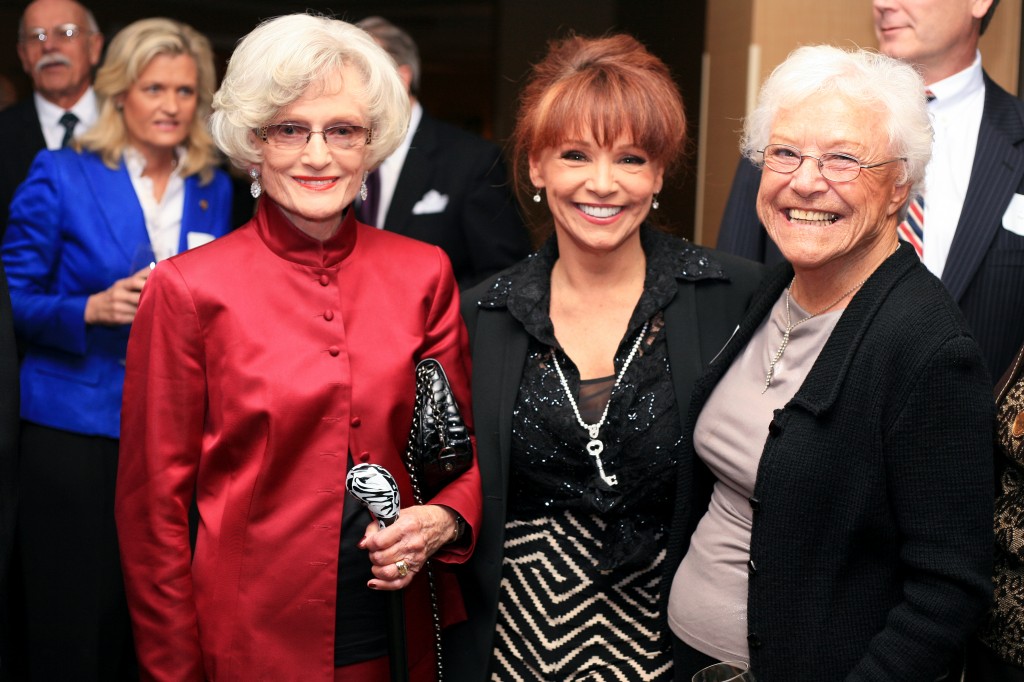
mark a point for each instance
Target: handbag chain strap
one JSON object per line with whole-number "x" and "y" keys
{"x": 424, "y": 395}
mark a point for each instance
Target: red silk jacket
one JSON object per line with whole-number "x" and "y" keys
{"x": 255, "y": 365}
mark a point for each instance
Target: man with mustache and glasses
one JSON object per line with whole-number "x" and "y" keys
{"x": 59, "y": 45}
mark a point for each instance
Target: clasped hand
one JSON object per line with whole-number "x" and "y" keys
{"x": 417, "y": 534}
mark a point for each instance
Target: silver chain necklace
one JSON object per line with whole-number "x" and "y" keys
{"x": 595, "y": 447}
{"x": 790, "y": 326}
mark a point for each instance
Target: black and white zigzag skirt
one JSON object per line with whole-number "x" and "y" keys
{"x": 561, "y": 619}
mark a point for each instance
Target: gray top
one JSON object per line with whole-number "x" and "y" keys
{"x": 708, "y": 602}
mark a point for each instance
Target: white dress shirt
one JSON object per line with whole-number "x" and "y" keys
{"x": 956, "y": 117}
{"x": 391, "y": 168}
{"x": 163, "y": 218}
{"x": 50, "y": 115}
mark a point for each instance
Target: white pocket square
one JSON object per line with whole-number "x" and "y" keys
{"x": 432, "y": 202}
{"x": 1013, "y": 219}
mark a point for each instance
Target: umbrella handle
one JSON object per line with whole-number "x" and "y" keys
{"x": 398, "y": 659}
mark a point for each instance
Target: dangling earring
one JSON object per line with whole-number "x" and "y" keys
{"x": 655, "y": 204}
{"x": 363, "y": 192}
{"x": 536, "y": 197}
{"x": 255, "y": 189}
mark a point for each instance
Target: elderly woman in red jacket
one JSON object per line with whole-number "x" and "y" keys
{"x": 261, "y": 368}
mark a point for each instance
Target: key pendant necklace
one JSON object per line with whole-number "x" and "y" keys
{"x": 596, "y": 446}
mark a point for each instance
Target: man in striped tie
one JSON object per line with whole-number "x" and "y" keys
{"x": 971, "y": 218}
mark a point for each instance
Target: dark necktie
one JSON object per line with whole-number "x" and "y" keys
{"x": 368, "y": 209}
{"x": 68, "y": 120}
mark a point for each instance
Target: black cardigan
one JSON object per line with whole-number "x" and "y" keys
{"x": 871, "y": 549}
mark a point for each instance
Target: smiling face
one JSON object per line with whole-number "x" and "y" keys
{"x": 825, "y": 226}
{"x": 159, "y": 106}
{"x": 939, "y": 35}
{"x": 314, "y": 183}
{"x": 60, "y": 68}
{"x": 598, "y": 195}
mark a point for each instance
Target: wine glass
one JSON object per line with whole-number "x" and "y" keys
{"x": 727, "y": 671}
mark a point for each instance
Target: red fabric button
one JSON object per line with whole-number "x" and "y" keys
{"x": 333, "y": 350}
{"x": 324, "y": 280}
{"x": 328, "y": 315}
{"x": 364, "y": 457}
{"x": 356, "y": 421}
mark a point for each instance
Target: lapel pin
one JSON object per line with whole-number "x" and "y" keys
{"x": 204, "y": 204}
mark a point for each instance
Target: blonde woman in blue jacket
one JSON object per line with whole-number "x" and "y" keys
{"x": 84, "y": 228}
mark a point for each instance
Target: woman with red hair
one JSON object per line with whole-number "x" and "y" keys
{"x": 583, "y": 360}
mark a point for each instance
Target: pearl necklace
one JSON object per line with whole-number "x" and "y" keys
{"x": 790, "y": 326}
{"x": 595, "y": 447}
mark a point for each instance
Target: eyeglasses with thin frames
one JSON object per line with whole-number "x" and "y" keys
{"x": 292, "y": 136}
{"x": 64, "y": 33}
{"x": 833, "y": 166}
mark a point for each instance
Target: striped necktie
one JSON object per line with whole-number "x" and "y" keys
{"x": 911, "y": 230}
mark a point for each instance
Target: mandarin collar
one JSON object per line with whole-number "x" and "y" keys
{"x": 291, "y": 243}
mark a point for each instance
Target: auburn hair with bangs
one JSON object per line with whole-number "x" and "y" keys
{"x": 609, "y": 87}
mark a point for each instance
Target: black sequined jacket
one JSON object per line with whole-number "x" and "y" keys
{"x": 712, "y": 292}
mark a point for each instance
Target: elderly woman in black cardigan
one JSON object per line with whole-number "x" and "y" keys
{"x": 847, "y": 424}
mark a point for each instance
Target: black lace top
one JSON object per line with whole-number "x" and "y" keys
{"x": 550, "y": 469}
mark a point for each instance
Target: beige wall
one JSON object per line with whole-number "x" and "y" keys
{"x": 746, "y": 39}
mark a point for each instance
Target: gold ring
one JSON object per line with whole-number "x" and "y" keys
{"x": 403, "y": 568}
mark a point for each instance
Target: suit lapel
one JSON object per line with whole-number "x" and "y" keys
{"x": 996, "y": 175}
{"x": 760, "y": 306}
{"x": 192, "y": 211}
{"x": 30, "y": 137}
{"x": 682, "y": 335}
{"x": 414, "y": 180}
{"x": 500, "y": 347}
{"x": 118, "y": 205}
{"x": 195, "y": 216}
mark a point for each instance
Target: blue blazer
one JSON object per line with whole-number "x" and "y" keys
{"x": 985, "y": 270}
{"x": 74, "y": 228}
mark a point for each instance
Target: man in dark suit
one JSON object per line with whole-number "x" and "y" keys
{"x": 974, "y": 190}
{"x": 59, "y": 44}
{"x": 444, "y": 186}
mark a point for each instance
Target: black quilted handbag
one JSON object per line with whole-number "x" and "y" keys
{"x": 439, "y": 448}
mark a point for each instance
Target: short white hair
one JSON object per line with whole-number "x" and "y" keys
{"x": 280, "y": 59}
{"x": 866, "y": 77}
